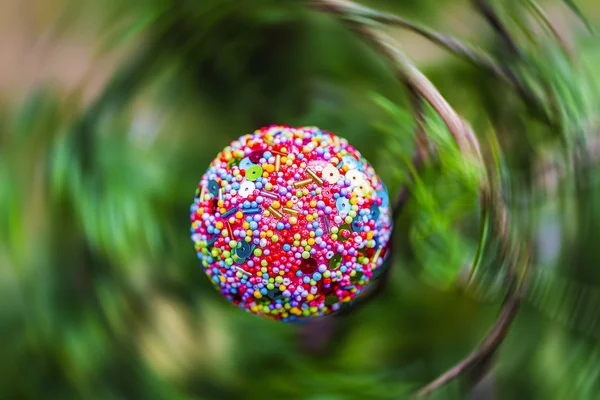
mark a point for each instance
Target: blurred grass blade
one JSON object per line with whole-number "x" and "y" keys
{"x": 577, "y": 11}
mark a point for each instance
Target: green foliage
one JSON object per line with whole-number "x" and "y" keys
{"x": 102, "y": 296}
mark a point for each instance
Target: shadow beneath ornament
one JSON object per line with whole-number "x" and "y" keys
{"x": 316, "y": 334}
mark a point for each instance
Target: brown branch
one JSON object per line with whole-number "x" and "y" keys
{"x": 490, "y": 15}
{"x": 487, "y": 349}
{"x": 517, "y": 288}
{"x": 465, "y": 139}
{"x": 455, "y": 46}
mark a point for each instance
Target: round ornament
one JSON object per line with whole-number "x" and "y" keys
{"x": 291, "y": 223}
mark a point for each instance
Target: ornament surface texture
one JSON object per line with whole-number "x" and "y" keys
{"x": 291, "y": 223}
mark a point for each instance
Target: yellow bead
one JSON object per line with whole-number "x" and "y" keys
{"x": 276, "y": 205}
{"x": 310, "y": 297}
{"x": 257, "y": 294}
{"x": 239, "y": 215}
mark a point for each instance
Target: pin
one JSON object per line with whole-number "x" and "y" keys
{"x": 326, "y": 224}
{"x": 242, "y": 271}
{"x": 269, "y": 195}
{"x": 277, "y": 162}
{"x": 202, "y": 193}
{"x": 314, "y": 177}
{"x": 290, "y": 211}
{"x": 230, "y": 230}
{"x": 251, "y": 211}
{"x": 275, "y": 212}
{"x": 220, "y": 194}
{"x": 302, "y": 183}
{"x": 229, "y": 212}
{"x": 375, "y": 258}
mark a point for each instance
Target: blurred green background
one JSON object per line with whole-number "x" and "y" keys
{"x": 110, "y": 112}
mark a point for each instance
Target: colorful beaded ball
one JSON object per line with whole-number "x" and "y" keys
{"x": 291, "y": 223}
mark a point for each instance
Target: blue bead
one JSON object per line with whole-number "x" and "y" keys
{"x": 286, "y": 247}
{"x": 245, "y": 163}
{"x": 306, "y": 279}
{"x": 316, "y": 276}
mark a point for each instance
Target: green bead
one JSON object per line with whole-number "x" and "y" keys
{"x": 253, "y": 173}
